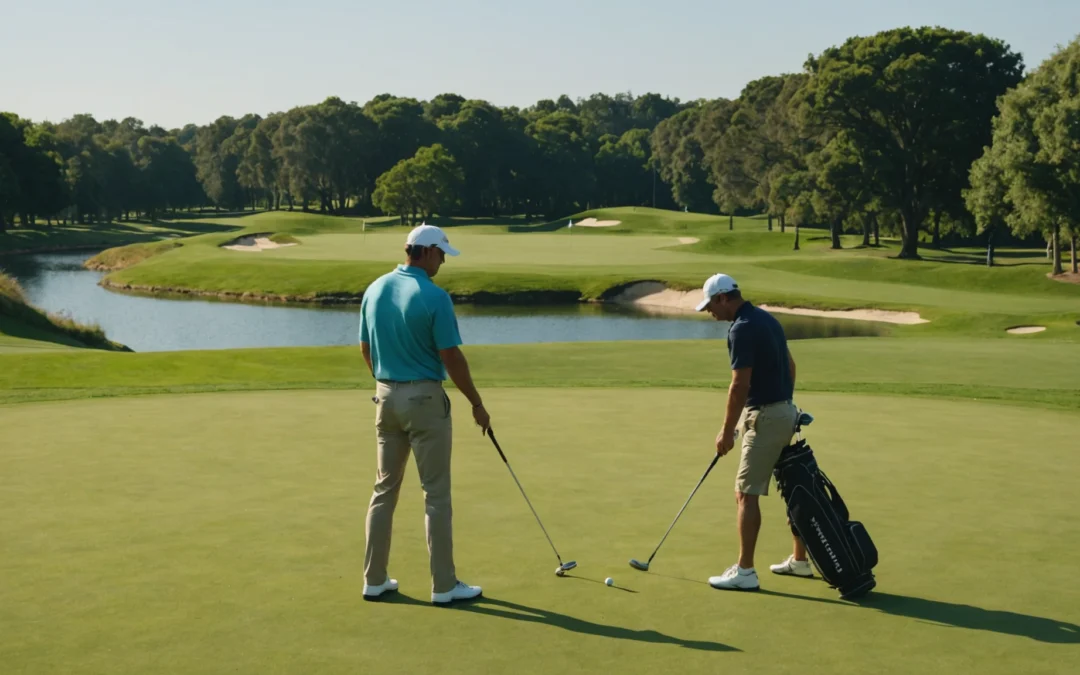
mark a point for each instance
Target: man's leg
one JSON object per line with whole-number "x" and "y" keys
{"x": 749, "y": 526}
{"x": 431, "y": 433}
{"x": 393, "y": 455}
{"x": 798, "y": 551}
{"x": 765, "y": 434}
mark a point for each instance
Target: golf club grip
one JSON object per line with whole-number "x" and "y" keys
{"x": 715, "y": 459}
{"x": 491, "y": 435}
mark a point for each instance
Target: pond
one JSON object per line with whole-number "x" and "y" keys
{"x": 58, "y": 282}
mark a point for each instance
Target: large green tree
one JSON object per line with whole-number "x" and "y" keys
{"x": 917, "y": 104}
{"x": 1035, "y": 156}
{"x": 678, "y": 152}
{"x": 423, "y": 185}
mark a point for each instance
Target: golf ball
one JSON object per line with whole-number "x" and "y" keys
{"x": 559, "y": 571}
{"x": 609, "y": 581}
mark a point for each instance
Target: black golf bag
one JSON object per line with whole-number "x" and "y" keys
{"x": 841, "y": 549}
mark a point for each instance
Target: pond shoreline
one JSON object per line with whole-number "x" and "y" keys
{"x": 622, "y": 295}
{"x": 343, "y": 298}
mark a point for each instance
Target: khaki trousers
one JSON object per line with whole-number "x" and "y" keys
{"x": 766, "y": 432}
{"x": 412, "y": 416}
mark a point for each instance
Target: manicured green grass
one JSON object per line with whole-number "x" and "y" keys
{"x": 223, "y": 533}
{"x": 1028, "y": 371}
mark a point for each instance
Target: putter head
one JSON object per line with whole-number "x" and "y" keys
{"x": 638, "y": 565}
{"x": 564, "y": 568}
{"x": 805, "y": 419}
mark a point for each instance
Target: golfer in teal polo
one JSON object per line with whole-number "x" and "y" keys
{"x": 409, "y": 336}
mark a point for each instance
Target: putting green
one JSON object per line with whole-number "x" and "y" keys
{"x": 223, "y": 533}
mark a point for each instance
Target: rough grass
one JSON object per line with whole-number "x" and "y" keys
{"x": 21, "y": 321}
{"x": 224, "y": 534}
{"x": 43, "y": 238}
{"x": 1035, "y": 373}
{"x": 1012, "y": 276}
{"x": 132, "y": 254}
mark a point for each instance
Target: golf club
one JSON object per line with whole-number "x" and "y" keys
{"x": 563, "y": 567}
{"x": 644, "y": 566}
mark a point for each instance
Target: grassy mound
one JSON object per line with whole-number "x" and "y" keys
{"x": 20, "y": 322}
{"x": 132, "y": 254}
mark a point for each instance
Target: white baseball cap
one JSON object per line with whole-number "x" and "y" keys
{"x": 429, "y": 235}
{"x": 717, "y": 283}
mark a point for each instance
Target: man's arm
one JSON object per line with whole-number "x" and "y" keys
{"x": 736, "y": 401}
{"x": 366, "y": 349}
{"x": 741, "y": 351}
{"x": 791, "y": 366}
{"x": 457, "y": 367}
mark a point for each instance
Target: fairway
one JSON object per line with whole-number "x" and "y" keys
{"x": 481, "y": 250}
{"x": 335, "y": 257}
{"x": 221, "y": 533}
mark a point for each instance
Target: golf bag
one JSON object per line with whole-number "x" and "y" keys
{"x": 841, "y": 549}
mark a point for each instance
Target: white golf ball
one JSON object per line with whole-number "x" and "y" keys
{"x": 609, "y": 581}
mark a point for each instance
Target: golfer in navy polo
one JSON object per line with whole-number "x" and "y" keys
{"x": 410, "y": 340}
{"x": 759, "y": 403}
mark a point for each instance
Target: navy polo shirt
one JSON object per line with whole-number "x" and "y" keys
{"x": 756, "y": 340}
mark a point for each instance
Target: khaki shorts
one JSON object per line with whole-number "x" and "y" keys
{"x": 766, "y": 432}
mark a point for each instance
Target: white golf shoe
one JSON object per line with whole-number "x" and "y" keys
{"x": 461, "y": 591}
{"x": 793, "y": 567}
{"x": 374, "y": 592}
{"x": 736, "y": 579}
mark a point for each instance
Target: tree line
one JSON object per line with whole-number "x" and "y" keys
{"x": 448, "y": 155}
{"x": 924, "y": 133}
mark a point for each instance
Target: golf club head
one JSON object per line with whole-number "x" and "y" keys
{"x": 805, "y": 419}
{"x": 564, "y": 568}
{"x": 638, "y": 565}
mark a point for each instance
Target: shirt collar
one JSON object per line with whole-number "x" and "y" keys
{"x": 743, "y": 310}
{"x": 412, "y": 271}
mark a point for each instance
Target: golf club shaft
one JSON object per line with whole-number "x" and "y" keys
{"x": 491, "y": 434}
{"x": 687, "y": 503}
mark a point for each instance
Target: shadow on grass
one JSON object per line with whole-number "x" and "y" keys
{"x": 192, "y": 227}
{"x": 507, "y": 221}
{"x": 503, "y": 609}
{"x": 597, "y": 581}
{"x": 949, "y": 614}
{"x": 976, "y": 618}
{"x": 955, "y": 615}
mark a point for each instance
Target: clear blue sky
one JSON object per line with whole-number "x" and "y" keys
{"x": 181, "y": 61}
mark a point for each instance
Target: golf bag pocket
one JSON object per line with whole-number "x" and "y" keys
{"x": 862, "y": 545}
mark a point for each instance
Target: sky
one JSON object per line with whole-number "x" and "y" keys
{"x": 171, "y": 63}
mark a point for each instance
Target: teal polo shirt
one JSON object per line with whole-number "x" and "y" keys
{"x": 407, "y": 319}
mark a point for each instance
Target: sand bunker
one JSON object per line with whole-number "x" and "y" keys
{"x": 254, "y": 243}
{"x": 657, "y": 296}
{"x": 883, "y": 315}
{"x": 1025, "y": 330}
{"x": 593, "y": 222}
{"x": 688, "y": 240}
